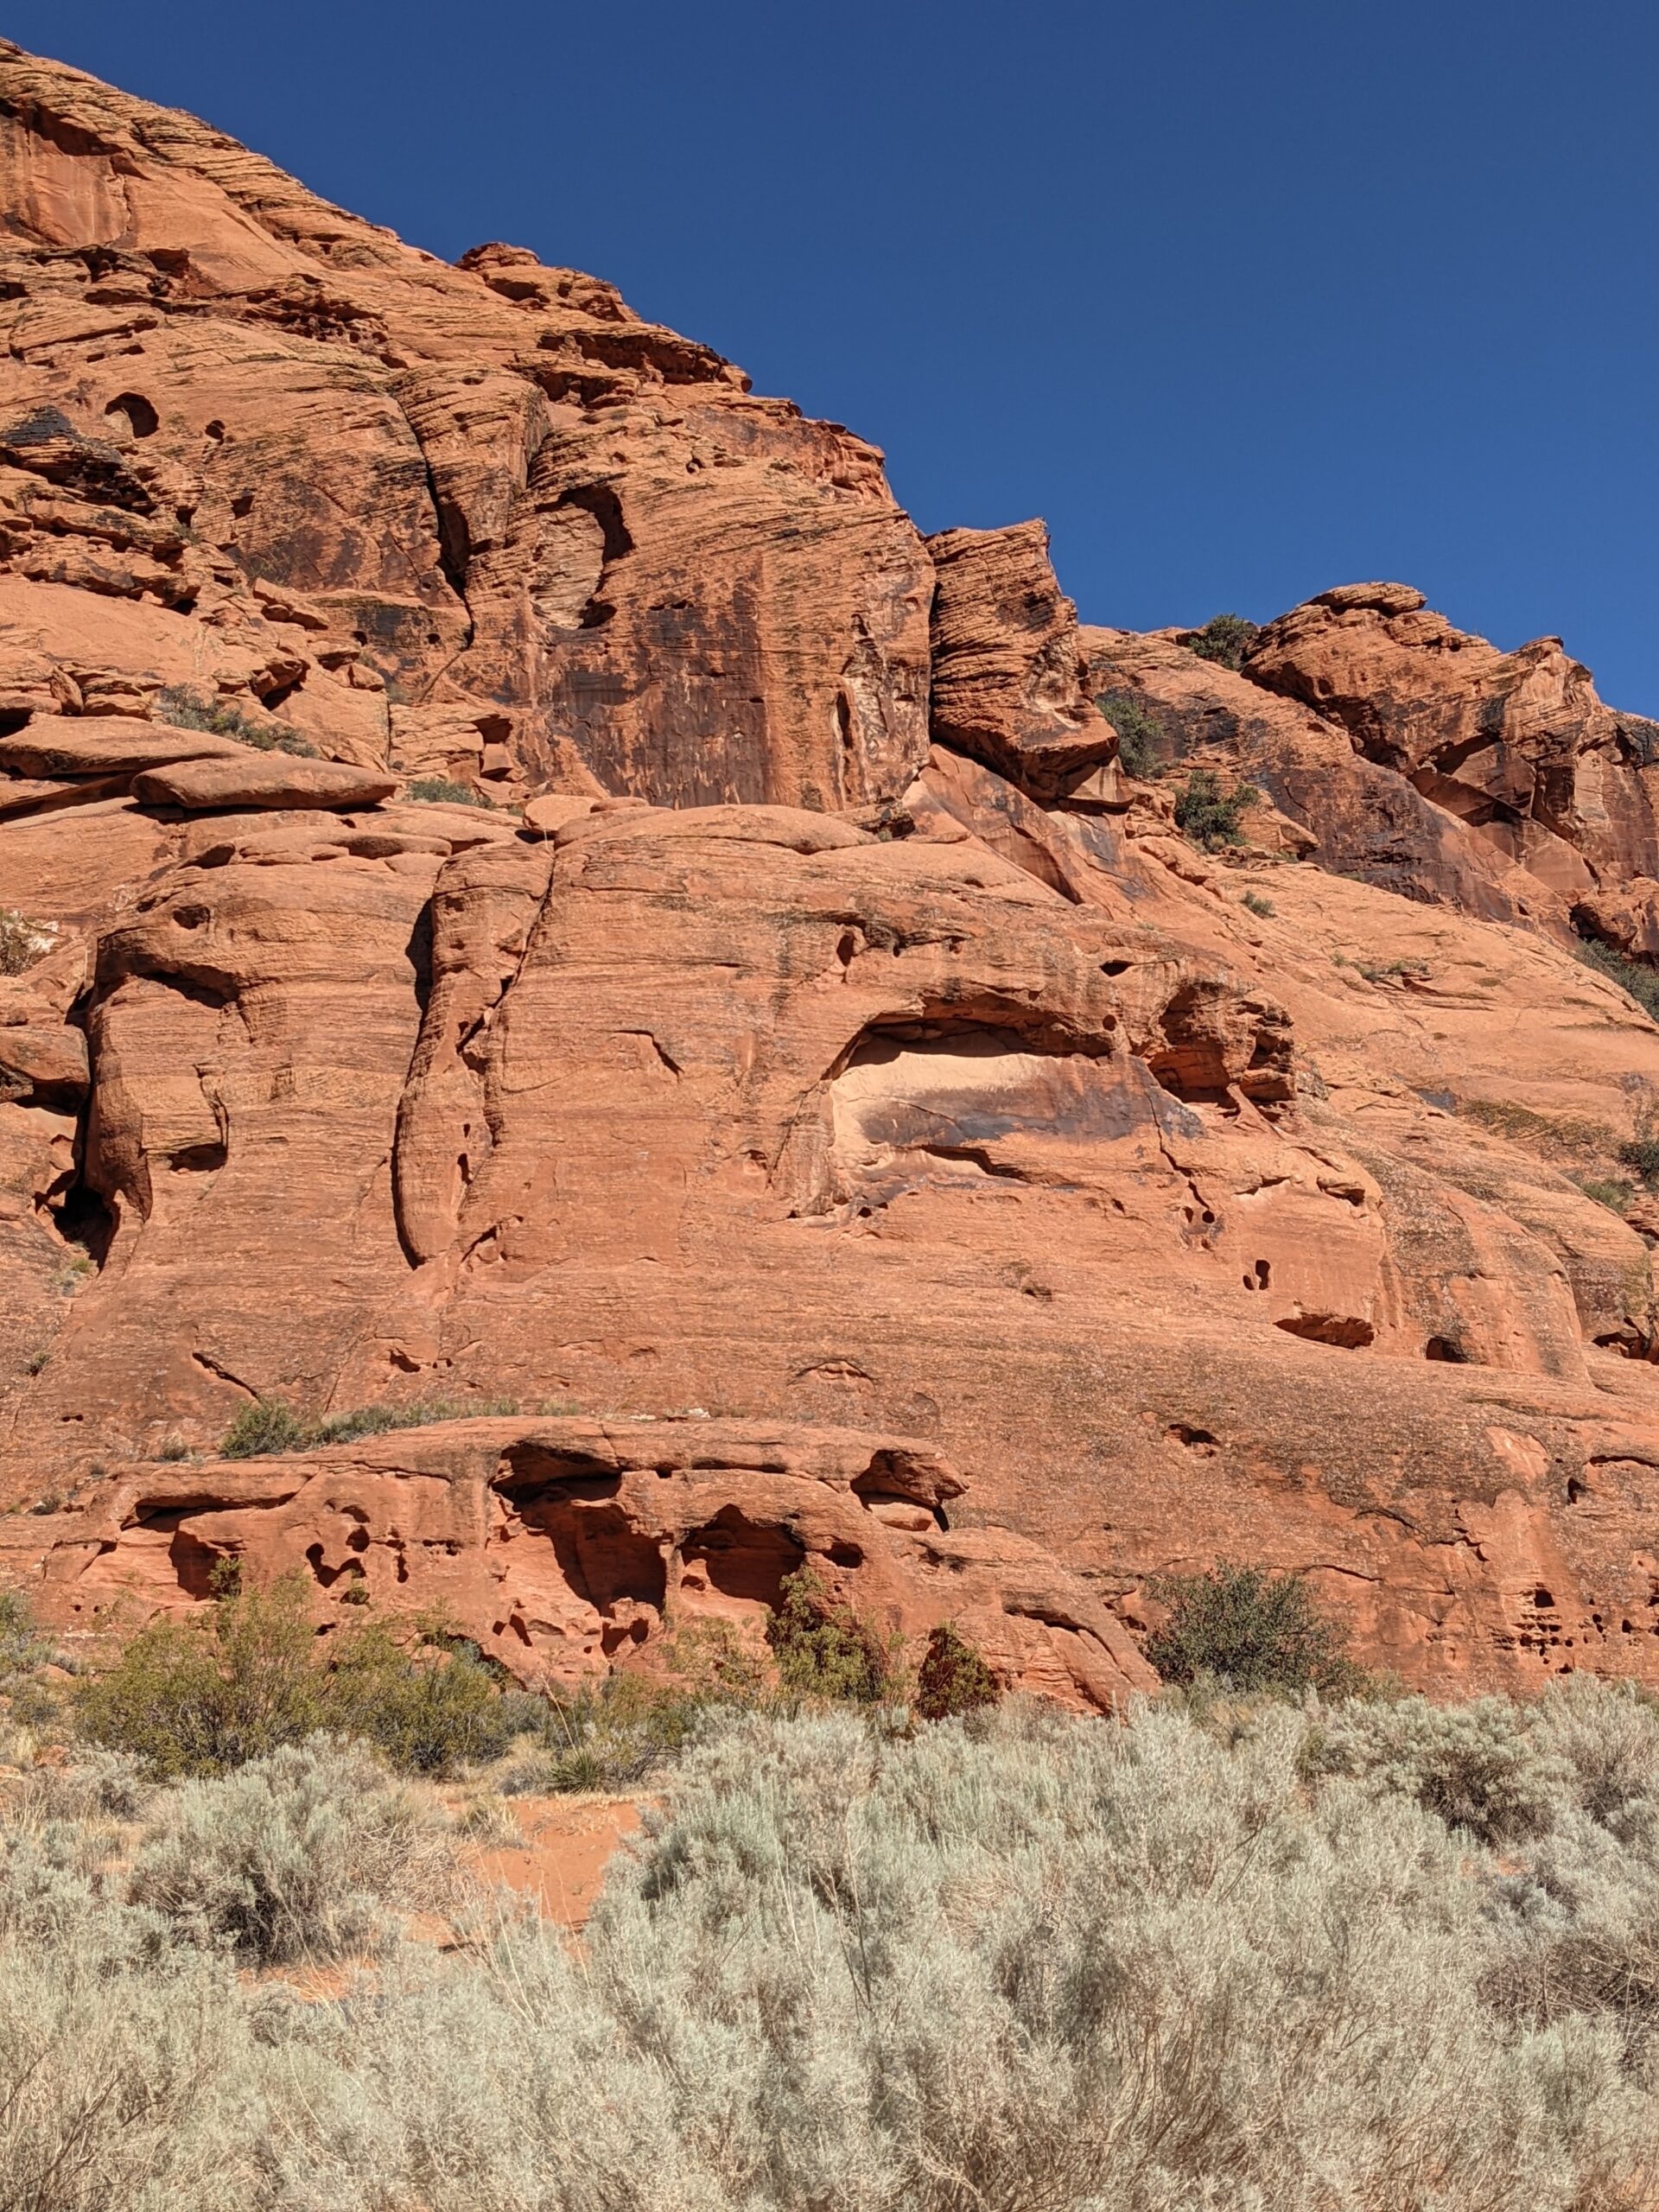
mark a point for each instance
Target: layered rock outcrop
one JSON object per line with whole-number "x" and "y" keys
{"x": 590, "y": 909}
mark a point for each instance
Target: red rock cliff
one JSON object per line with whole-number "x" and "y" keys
{"x": 822, "y": 1072}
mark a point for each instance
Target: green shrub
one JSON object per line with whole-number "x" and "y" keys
{"x": 441, "y": 790}
{"x": 268, "y": 1427}
{"x": 827, "y": 1650}
{"x": 1640, "y": 1153}
{"x": 952, "y": 1677}
{"x": 1639, "y": 982}
{"x": 429, "y": 1709}
{"x": 608, "y": 1735}
{"x": 1140, "y": 735}
{"x": 1209, "y": 816}
{"x": 234, "y": 1681}
{"x": 1611, "y": 1191}
{"x": 380, "y": 1420}
{"x": 247, "y": 1675}
{"x": 29, "y": 1702}
{"x": 187, "y": 709}
{"x": 1248, "y": 1630}
{"x": 1225, "y": 639}
{"x": 265, "y": 1427}
{"x": 1257, "y": 905}
{"x": 298, "y": 1856}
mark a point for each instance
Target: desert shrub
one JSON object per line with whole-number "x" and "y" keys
{"x": 380, "y": 1420}
{"x": 1609, "y": 1190}
{"x": 1639, "y": 982}
{"x": 1479, "y": 1767}
{"x": 1140, "y": 735}
{"x": 1225, "y": 639}
{"x": 1606, "y": 1735}
{"x": 1248, "y": 1630}
{"x": 1207, "y": 816}
{"x": 22, "y": 941}
{"x": 1391, "y": 971}
{"x": 612, "y": 1734}
{"x": 443, "y": 790}
{"x": 1024, "y": 1961}
{"x": 23, "y": 1648}
{"x": 429, "y": 1709}
{"x": 1640, "y": 1152}
{"x": 31, "y": 1702}
{"x": 187, "y": 709}
{"x": 95, "y": 1783}
{"x": 247, "y": 1676}
{"x": 1041, "y": 1965}
{"x": 299, "y": 1855}
{"x": 1256, "y": 904}
{"x": 265, "y": 1427}
{"x": 124, "y": 2086}
{"x": 824, "y": 1649}
{"x": 952, "y": 1677}
{"x": 202, "y": 1695}
{"x": 268, "y": 1427}
{"x": 1557, "y": 1137}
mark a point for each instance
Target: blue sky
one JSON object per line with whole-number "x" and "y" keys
{"x": 1245, "y": 302}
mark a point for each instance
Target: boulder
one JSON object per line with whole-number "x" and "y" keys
{"x": 249, "y": 779}
{"x": 106, "y": 745}
{"x": 1010, "y": 682}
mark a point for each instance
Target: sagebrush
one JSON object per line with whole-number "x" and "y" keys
{"x": 1021, "y": 1960}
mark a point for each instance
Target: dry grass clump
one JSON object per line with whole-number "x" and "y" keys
{"x": 22, "y": 941}
{"x": 1553, "y": 1136}
{"x": 187, "y": 709}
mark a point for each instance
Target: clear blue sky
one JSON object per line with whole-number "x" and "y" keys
{"x": 1245, "y": 300}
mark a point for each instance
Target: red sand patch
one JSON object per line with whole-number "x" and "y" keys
{"x": 568, "y": 1843}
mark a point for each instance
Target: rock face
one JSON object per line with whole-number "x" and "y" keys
{"x": 1009, "y": 677}
{"x": 401, "y": 491}
{"x": 593, "y": 911}
{"x": 1516, "y": 744}
{"x": 565, "y": 1545}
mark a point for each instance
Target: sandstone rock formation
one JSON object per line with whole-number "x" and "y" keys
{"x": 1516, "y": 744}
{"x": 596, "y": 911}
